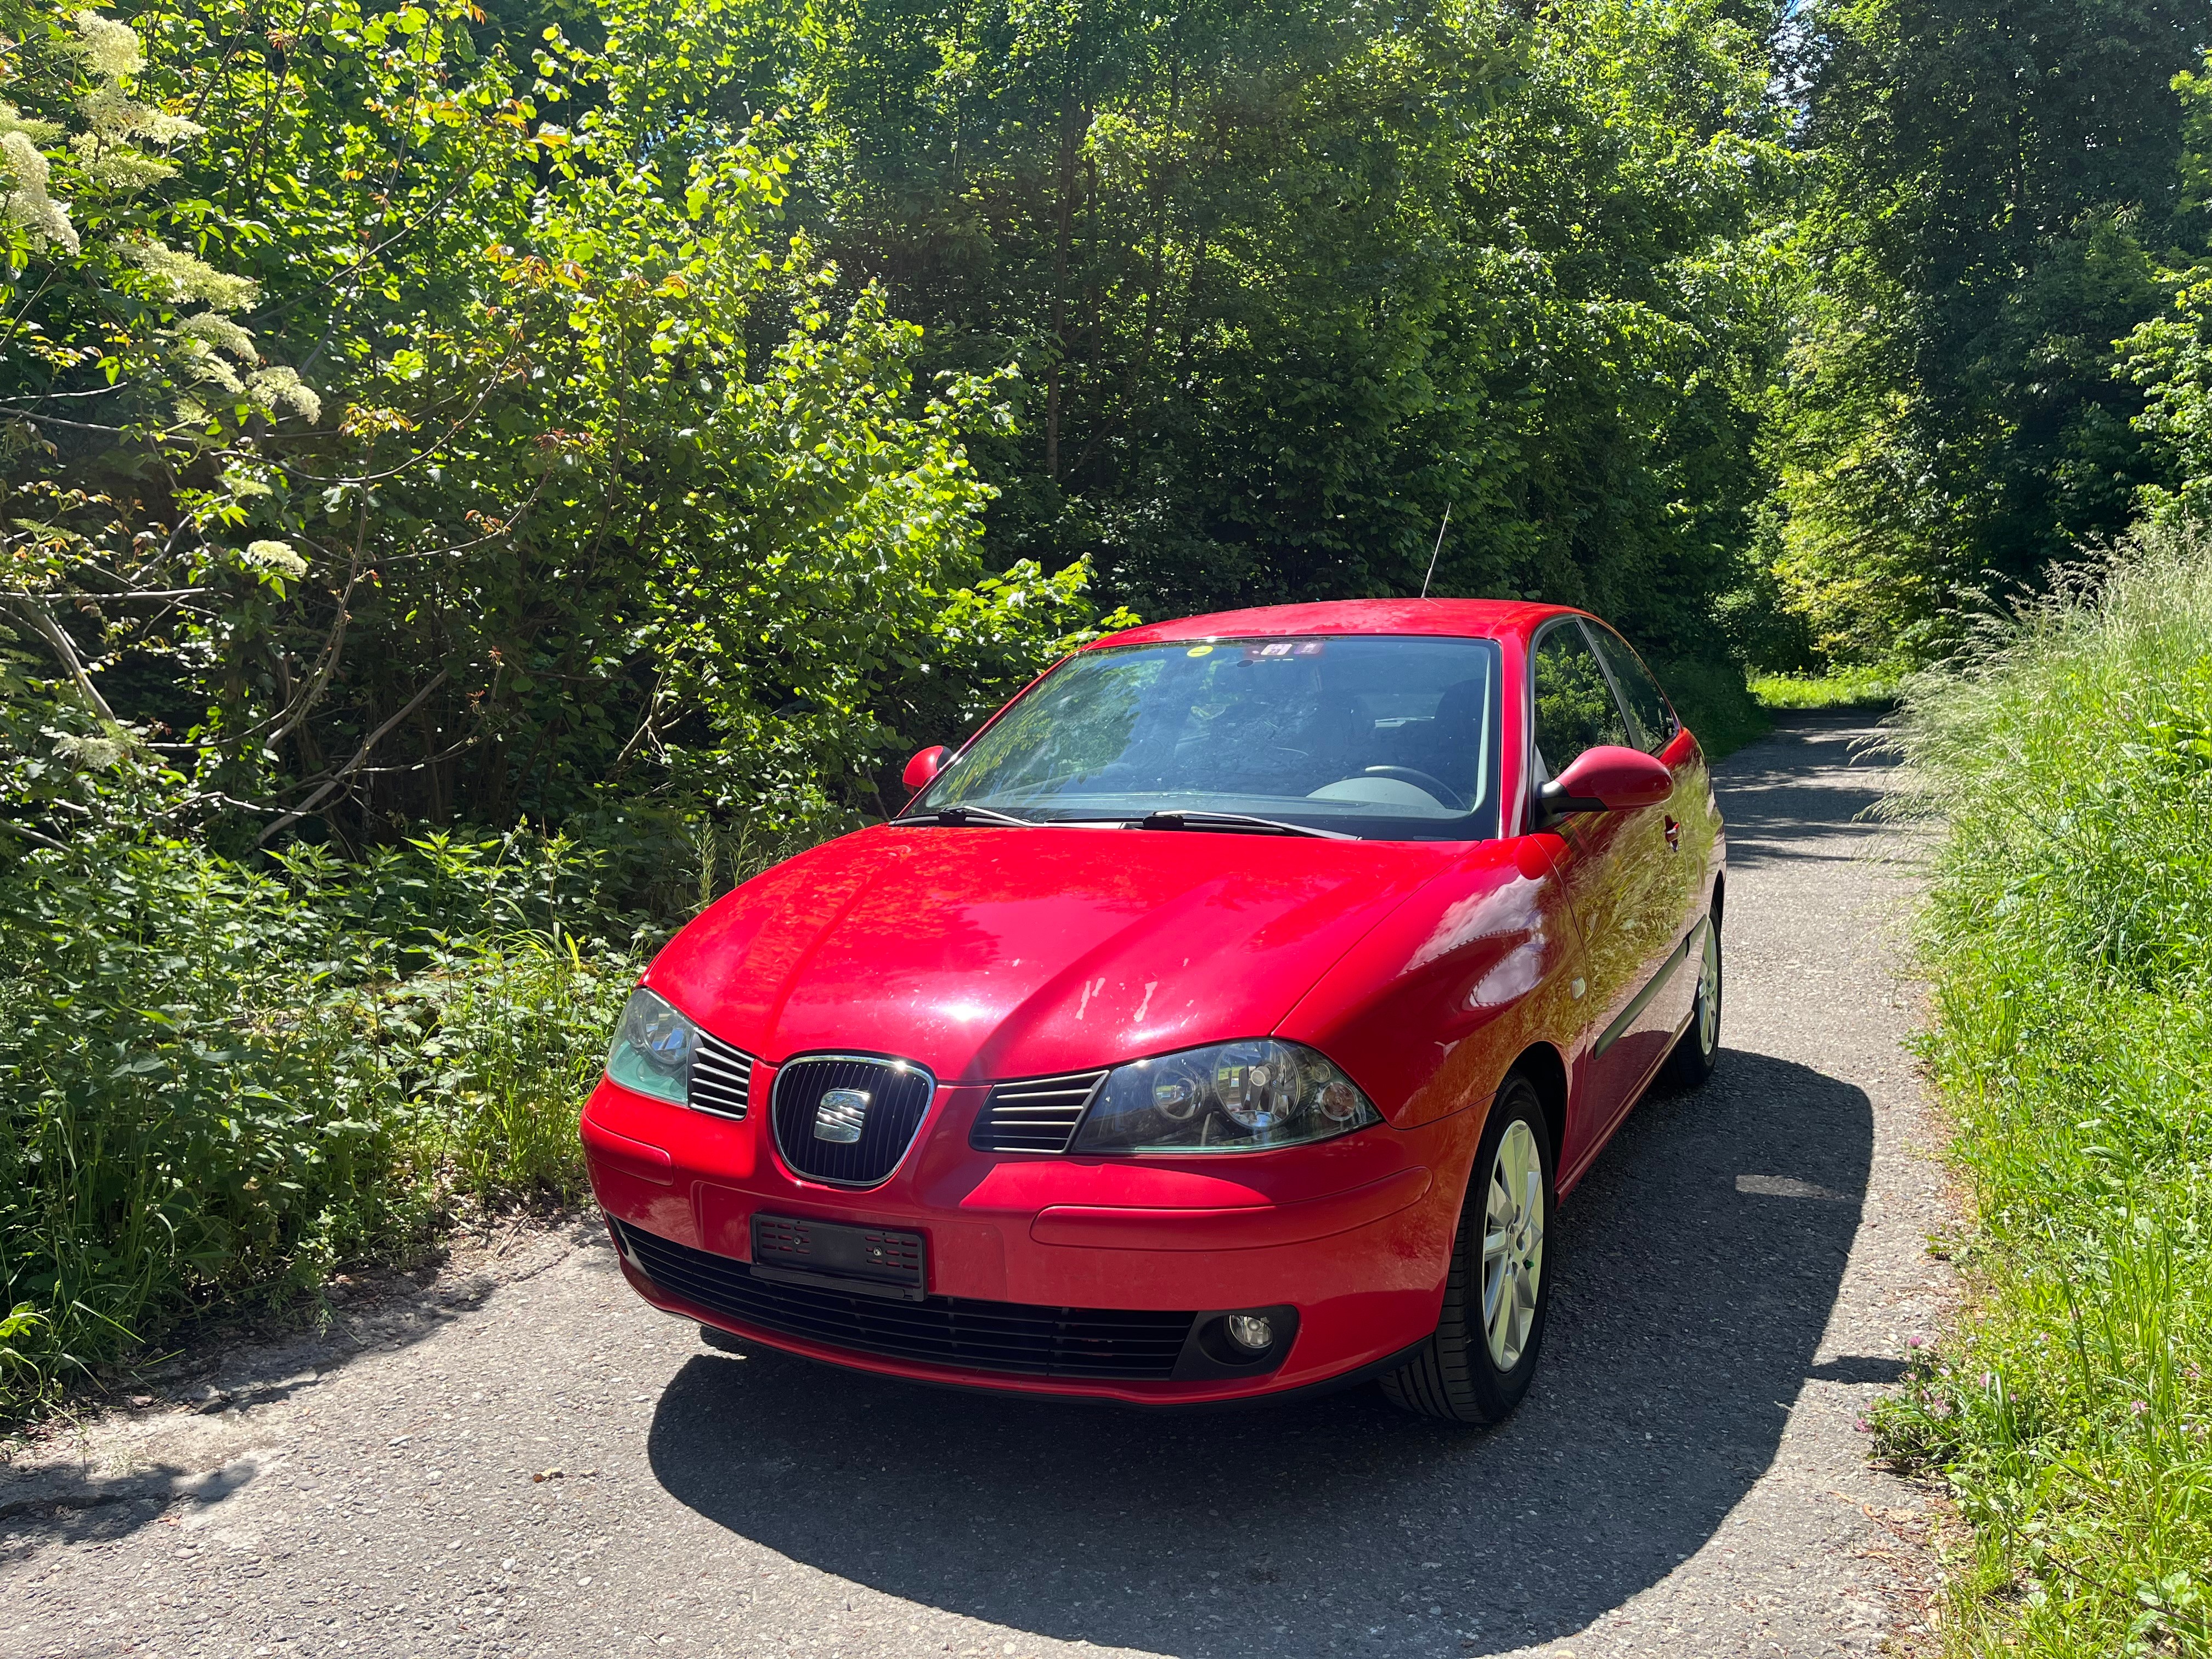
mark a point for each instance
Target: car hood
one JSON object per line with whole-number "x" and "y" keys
{"x": 984, "y": 954}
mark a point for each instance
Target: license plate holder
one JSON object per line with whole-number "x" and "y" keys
{"x": 864, "y": 1261}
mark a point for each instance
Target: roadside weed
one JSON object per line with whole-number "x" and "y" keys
{"x": 222, "y": 1081}
{"x": 2068, "y": 935}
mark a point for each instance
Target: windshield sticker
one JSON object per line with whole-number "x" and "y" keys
{"x": 1200, "y": 651}
{"x": 1284, "y": 650}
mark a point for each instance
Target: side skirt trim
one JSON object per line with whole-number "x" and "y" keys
{"x": 1675, "y": 959}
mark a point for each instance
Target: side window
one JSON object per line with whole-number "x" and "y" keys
{"x": 1575, "y": 707}
{"x": 1648, "y": 716}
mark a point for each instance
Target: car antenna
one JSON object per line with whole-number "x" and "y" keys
{"x": 1433, "y": 551}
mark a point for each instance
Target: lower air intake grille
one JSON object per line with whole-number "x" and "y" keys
{"x": 873, "y": 1108}
{"x": 1038, "y": 1116}
{"x": 722, "y": 1077}
{"x": 1097, "y": 1343}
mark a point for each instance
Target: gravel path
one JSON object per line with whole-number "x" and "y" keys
{"x": 1735, "y": 1280}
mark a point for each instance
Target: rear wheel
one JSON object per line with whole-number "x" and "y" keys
{"x": 1480, "y": 1362}
{"x": 1697, "y": 1050}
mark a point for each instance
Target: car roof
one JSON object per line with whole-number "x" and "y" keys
{"x": 1466, "y": 618}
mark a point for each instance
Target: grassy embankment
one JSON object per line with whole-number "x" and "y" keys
{"x": 2069, "y": 937}
{"x": 222, "y": 1082}
{"x": 1865, "y": 686}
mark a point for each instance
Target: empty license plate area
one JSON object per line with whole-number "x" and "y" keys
{"x": 871, "y": 1261}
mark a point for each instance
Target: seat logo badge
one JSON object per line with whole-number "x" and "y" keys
{"x": 840, "y": 1114}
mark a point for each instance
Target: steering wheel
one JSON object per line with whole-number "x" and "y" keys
{"x": 1437, "y": 787}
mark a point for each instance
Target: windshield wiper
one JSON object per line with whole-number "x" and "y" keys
{"x": 957, "y": 815}
{"x": 1234, "y": 821}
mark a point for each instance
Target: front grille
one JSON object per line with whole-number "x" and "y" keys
{"x": 897, "y": 1093}
{"x": 1097, "y": 1343}
{"x": 1038, "y": 1116}
{"x": 722, "y": 1077}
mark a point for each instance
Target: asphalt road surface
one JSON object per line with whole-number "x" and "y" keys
{"x": 1736, "y": 1279}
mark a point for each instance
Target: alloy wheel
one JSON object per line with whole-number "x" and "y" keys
{"x": 1708, "y": 993}
{"x": 1512, "y": 1244}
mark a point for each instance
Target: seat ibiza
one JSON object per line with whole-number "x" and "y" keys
{"x": 1226, "y": 1017}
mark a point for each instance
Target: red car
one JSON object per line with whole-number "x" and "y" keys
{"x": 1225, "y": 1019}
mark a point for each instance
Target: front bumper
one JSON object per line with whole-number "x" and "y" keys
{"x": 1352, "y": 1236}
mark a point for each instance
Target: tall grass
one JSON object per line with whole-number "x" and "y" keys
{"x": 2069, "y": 939}
{"x": 220, "y": 1081}
{"x": 1855, "y": 686}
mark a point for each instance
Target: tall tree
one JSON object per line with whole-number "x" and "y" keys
{"x": 1287, "y": 279}
{"x": 1999, "y": 187}
{"x": 394, "y": 430}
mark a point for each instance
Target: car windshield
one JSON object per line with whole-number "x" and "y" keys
{"x": 1382, "y": 737}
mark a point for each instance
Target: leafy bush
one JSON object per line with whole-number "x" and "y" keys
{"x": 495, "y": 447}
{"x": 1710, "y": 698}
{"x": 2070, "y": 934}
{"x": 220, "y": 1081}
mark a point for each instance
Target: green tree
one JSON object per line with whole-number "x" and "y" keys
{"x": 2170, "y": 355}
{"x": 1287, "y": 281}
{"x": 407, "y": 434}
{"x": 1998, "y": 188}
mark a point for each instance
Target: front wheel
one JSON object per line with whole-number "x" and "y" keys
{"x": 1480, "y": 1362}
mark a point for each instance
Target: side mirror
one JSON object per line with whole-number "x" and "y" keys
{"x": 1606, "y": 779}
{"x": 927, "y": 764}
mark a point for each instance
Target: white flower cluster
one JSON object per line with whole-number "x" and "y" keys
{"x": 98, "y": 754}
{"x": 276, "y": 555}
{"x": 112, "y": 158}
{"x": 26, "y": 202}
{"x": 277, "y": 388}
{"x": 186, "y": 277}
{"x": 196, "y": 341}
{"x": 218, "y": 330}
{"x": 111, "y": 48}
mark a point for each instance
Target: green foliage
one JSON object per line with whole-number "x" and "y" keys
{"x": 2171, "y": 356}
{"x": 588, "y": 478}
{"x": 1710, "y": 698}
{"x": 1999, "y": 200}
{"x": 220, "y": 1081}
{"x": 1861, "y": 685}
{"x": 1286, "y": 281}
{"x": 2071, "y": 937}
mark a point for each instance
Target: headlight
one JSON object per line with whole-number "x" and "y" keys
{"x": 652, "y": 1049}
{"x": 1232, "y": 1098}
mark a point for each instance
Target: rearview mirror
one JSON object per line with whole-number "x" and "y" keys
{"x": 1606, "y": 779}
{"x": 924, "y": 767}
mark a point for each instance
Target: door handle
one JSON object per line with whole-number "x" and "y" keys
{"x": 1673, "y": 835}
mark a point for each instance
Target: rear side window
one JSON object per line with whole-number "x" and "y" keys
{"x": 1575, "y": 707}
{"x": 1651, "y": 719}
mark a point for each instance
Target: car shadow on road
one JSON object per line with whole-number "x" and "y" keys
{"x": 1688, "y": 1312}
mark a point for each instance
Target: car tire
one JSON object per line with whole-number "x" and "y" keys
{"x": 1479, "y": 1363}
{"x": 1697, "y": 1050}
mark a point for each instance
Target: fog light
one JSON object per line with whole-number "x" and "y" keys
{"x": 1254, "y": 1333}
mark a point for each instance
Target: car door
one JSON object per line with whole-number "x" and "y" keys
{"x": 1690, "y": 822}
{"x": 1610, "y": 866}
